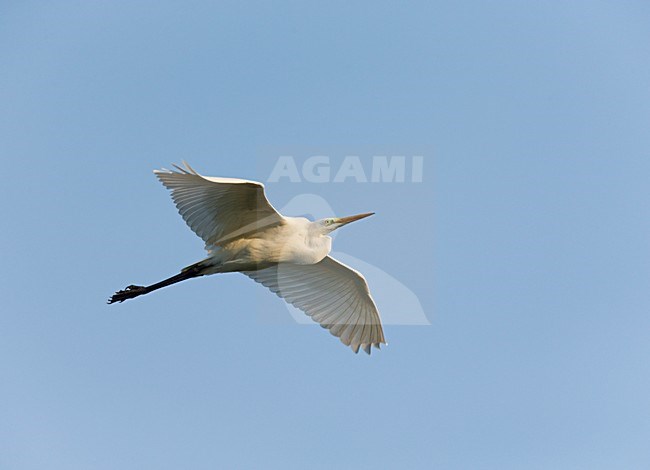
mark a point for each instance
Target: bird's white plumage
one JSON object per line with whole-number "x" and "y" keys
{"x": 332, "y": 294}
{"x": 219, "y": 209}
{"x": 241, "y": 230}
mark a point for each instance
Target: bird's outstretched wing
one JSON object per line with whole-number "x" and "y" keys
{"x": 332, "y": 294}
{"x": 219, "y": 209}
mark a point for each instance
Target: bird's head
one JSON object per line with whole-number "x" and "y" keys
{"x": 331, "y": 224}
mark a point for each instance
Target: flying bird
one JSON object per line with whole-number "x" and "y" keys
{"x": 244, "y": 233}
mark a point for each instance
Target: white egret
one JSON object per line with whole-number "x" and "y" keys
{"x": 289, "y": 255}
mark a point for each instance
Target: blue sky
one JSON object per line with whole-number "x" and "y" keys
{"x": 526, "y": 243}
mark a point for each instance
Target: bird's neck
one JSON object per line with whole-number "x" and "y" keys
{"x": 320, "y": 245}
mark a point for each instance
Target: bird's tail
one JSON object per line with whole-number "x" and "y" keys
{"x": 196, "y": 270}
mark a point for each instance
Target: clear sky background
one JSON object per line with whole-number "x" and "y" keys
{"x": 527, "y": 243}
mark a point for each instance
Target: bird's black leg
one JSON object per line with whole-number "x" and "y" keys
{"x": 128, "y": 293}
{"x": 135, "y": 291}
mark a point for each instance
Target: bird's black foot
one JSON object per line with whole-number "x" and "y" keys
{"x": 128, "y": 293}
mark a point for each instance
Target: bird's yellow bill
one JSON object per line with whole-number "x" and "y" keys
{"x": 353, "y": 218}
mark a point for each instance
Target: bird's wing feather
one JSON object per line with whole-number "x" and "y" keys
{"x": 332, "y": 294}
{"x": 219, "y": 209}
